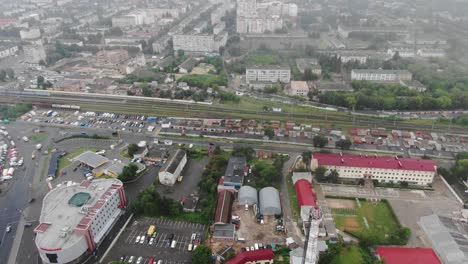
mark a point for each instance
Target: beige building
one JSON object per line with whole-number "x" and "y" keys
{"x": 268, "y": 74}
{"x": 299, "y": 88}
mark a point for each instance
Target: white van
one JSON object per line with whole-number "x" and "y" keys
{"x": 173, "y": 244}
{"x": 190, "y": 246}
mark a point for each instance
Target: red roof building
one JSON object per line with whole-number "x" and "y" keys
{"x": 398, "y": 255}
{"x": 261, "y": 255}
{"x": 382, "y": 168}
{"x": 305, "y": 195}
{"x": 223, "y": 208}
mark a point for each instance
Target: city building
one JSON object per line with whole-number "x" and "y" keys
{"x": 8, "y": 50}
{"x": 173, "y": 167}
{"x": 34, "y": 53}
{"x": 332, "y": 87}
{"x": 235, "y": 172}
{"x": 114, "y": 57}
{"x": 187, "y": 65}
{"x": 381, "y": 168}
{"x": 448, "y": 237}
{"x": 298, "y": 88}
{"x": 75, "y": 218}
{"x": 260, "y": 256}
{"x": 247, "y": 195}
{"x": 223, "y": 207}
{"x": 268, "y": 74}
{"x": 381, "y": 75}
{"x": 400, "y": 255}
{"x": 414, "y": 85}
{"x": 30, "y": 34}
{"x": 269, "y": 201}
{"x": 409, "y": 52}
{"x": 312, "y": 64}
{"x": 199, "y": 43}
{"x": 346, "y": 31}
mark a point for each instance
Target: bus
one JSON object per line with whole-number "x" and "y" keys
{"x": 151, "y": 230}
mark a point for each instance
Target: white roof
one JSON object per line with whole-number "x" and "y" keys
{"x": 59, "y": 216}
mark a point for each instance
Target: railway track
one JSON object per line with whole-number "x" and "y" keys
{"x": 177, "y": 109}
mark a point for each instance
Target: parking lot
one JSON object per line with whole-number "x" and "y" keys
{"x": 160, "y": 246}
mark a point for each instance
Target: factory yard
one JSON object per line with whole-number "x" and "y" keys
{"x": 409, "y": 206}
{"x": 170, "y": 242}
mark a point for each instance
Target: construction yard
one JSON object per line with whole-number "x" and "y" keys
{"x": 363, "y": 218}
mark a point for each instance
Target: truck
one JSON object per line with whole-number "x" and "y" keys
{"x": 38, "y": 146}
{"x": 151, "y": 230}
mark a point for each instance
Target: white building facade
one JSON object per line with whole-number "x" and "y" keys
{"x": 34, "y": 53}
{"x": 381, "y": 168}
{"x": 381, "y": 75}
{"x": 269, "y": 74}
{"x": 7, "y": 51}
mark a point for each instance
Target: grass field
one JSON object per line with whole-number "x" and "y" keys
{"x": 378, "y": 215}
{"x": 349, "y": 255}
{"x": 39, "y": 136}
{"x": 65, "y": 160}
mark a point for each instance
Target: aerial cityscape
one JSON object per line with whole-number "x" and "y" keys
{"x": 234, "y": 131}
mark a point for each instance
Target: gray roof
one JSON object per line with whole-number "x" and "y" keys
{"x": 247, "y": 195}
{"x": 235, "y": 170}
{"x": 449, "y": 238}
{"x": 333, "y": 86}
{"x": 225, "y": 231}
{"x": 270, "y": 201}
{"x": 91, "y": 159}
{"x": 188, "y": 64}
{"x": 268, "y": 67}
{"x": 173, "y": 161}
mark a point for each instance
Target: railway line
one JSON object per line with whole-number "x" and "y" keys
{"x": 127, "y": 104}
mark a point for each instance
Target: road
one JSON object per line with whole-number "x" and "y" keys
{"x": 15, "y": 197}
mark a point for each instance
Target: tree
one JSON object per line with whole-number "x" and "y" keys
{"x": 115, "y": 31}
{"x": 145, "y": 90}
{"x": 40, "y": 82}
{"x": 319, "y": 141}
{"x": 10, "y": 73}
{"x": 309, "y": 75}
{"x": 344, "y": 144}
{"x": 320, "y": 173}
{"x": 404, "y": 184}
{"x": 334, "y": 176}
{"x": 2, "y": 75}
{"x": 128, "y": 173}
{"x": 202, "y": 255}
{"x": 132, "y": 149}
{"x": 269, "y": 132}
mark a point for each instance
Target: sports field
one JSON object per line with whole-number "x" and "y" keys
{"x": 363, "y": 218}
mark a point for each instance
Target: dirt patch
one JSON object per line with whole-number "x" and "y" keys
{"x": 341, "y": 203}
{"x": 351, "y": 224}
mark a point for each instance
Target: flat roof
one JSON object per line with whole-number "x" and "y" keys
{"x": 381, "y": 71}
{"x": 377, "y": 162}
{"x": 91, "y": 159}
{"x": 61, "y": 215}
{"x": 235, "y": 170}
{"x": 224, "y": 231}
{"x": 268, "y": 67}
{"x": 399, "y": 255}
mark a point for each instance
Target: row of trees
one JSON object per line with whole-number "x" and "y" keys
{"x": 459, "y": 171}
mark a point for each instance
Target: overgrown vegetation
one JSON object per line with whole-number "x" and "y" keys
{"x": 202, "y": 255}
{"x": 150, "y": 203}
{"x": 129, "y": 173}
{"x": 340, "y": 253}
{"x": 14, "y": 111}
{"x": 457, "y": 172}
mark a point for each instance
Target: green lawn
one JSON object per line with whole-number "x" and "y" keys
{"x": 379, "y": 217}
{"x": 39, "y": 136}
{"x": 349, "y": 255}
{"x": 65, "y": 160}
{"x": 294, "y": 203}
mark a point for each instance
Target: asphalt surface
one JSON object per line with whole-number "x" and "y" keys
{"x": 17, "y": 192}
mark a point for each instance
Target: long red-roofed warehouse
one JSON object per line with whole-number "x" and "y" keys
{"x": 262, "y": 256}
{"x": 399, "y": 255}
{"x": 306, "y": 198}
{"x": 384, "y": 169}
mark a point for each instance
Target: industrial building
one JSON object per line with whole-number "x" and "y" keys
{"x": 400, "y": 255}
{"x": 223, "y": 228}
{"x": 306, "y": 198}
{"x": 381, "y": 168}
{"x": 270, "y": 203}
{"x": 448, "y": 237}
{"x": 75, "y": 218}
{"x": 260, "y": 256}
{"x": 235, "y": 172}
{"x": 381, "y": 75}
{"x": 247, "y": 195}
{"x": 173, "y": 167}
